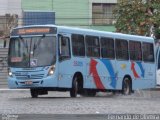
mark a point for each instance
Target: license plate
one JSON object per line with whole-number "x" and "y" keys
{"x": 28, "y": 83}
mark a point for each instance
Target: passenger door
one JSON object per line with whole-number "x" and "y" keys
{"x": 64, "y": 74}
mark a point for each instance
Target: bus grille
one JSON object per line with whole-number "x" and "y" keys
{"x": 31, "y": 76}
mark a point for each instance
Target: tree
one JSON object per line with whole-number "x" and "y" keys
{"x": 8, "y": 22}
{"x": 140, "y": 17}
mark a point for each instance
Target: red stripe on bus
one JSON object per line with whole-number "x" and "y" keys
{"x": 96, "y": 77}
{"x": 134, "y": 71}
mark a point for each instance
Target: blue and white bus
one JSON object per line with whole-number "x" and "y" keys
{"x": 48, "y": 57}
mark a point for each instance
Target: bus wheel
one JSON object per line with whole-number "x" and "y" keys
{"x": 74, "y": 89}
{"x": 126, "y": 87}
{"x": 34, "y": 93}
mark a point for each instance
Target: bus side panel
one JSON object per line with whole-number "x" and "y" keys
{"x": 107, "y": 71}
{"x": 100, "y": 74}
{"x": 65, "y": 74}
{"x": 123, "y": 69}
{"x": 141, "y": 74}
{"x": 67, "y": 69}
{"x": 145, "y": 75}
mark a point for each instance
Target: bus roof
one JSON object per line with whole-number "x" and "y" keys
{"x": 76, "y": 30}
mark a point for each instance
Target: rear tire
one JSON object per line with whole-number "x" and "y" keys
{"x": 34, "y": 93}
{"x": 74, "y": 89}
{"x": 126, "y": 87}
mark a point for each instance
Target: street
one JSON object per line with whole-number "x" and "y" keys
{"x": 58, "y": 105}
{"x": 20, "y": 102}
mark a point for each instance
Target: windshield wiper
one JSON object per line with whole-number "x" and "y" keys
{"x": 23, "y": 41}
{"x": 35, "y": 46}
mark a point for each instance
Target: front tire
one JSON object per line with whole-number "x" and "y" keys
{"x": 126, "y": 87}
{"x": 74, "y": 89}
{"x": 34, "y": 93}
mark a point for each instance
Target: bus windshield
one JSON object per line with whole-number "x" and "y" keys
{"x": 32, "y": 51}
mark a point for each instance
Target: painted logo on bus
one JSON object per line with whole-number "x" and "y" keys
{"x": 93, "y": 71}
{"x": 77, "y": 63}
{"x": 135, "y": 71}
{"x": 111, "y": 72}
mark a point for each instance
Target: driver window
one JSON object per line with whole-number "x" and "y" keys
{"x": 64, "y": 47}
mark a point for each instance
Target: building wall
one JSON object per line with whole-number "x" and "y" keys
{"x": 69, "y": 12}
{"x": 10, "y": 6}
{"x": 7, "y": 7}
{"x": 72, "y": 12}
{"x": 36, "y": 4}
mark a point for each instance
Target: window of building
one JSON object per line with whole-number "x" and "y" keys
{"x": 121, "y": 49}
{"x": 78, "y": 47}
{"x": 107, "y": 47}
{"x": 148, "y": 52}
{"x": 102, "y": 13}
{"x": 135, "y": 50}
{"x": 92, "y": 46}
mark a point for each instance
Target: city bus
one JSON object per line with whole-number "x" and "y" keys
{"x": 46, "y": 58}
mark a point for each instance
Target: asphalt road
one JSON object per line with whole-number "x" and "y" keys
{"x": 59, "y": 105}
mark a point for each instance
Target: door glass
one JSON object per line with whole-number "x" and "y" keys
{"x": 64, "y": 48}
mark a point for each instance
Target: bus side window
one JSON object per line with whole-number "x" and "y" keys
{"x": 121, "y": 49}
{"x": 135, "y": 50}
{"x": 92, "y": 46}
{"x": 148, "y": 52}
{"x": 107, "y": 48}
{"x": 78, "y": 46}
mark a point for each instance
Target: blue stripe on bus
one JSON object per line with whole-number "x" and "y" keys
{"x": 141, "y": 67}
{"x": 110, "y": 69}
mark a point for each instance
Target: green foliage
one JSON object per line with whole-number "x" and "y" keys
{"x": 137, "y": 16}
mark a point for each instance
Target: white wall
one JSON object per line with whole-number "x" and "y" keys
{"x": 10, "y": 6}
{"x": 3, "y": 6}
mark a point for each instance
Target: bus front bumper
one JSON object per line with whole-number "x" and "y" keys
{"x": 50, "y": 81}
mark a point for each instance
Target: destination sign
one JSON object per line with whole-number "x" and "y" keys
{"x": 34, "y": 31}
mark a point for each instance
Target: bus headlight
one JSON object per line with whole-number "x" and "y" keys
{"x": 10, "y": 74}
{"x": 51, "y": 70}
